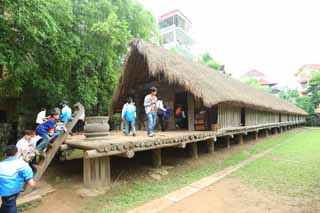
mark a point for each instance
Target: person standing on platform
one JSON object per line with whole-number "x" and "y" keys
{"x": 150, "y": 106}
{"x": 129, "y": 116}
{"x": 66, "y": 112}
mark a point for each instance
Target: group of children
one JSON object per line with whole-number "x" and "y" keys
{"x": 18, "y": 166}
{"x": 47, "y": 129}
{"x": 154, "y": 109}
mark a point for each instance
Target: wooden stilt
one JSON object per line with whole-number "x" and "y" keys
{"x": 193, "y": 150}
{"x": 240, "y": 139}
{"x": 96, "y": 172}
{"x": 210, "y": 145}
{"x": 256, "y": 135}
{"x": 156, "y": 158}
{"x": 267, "y": 132}
{"x": 228, "y": 141}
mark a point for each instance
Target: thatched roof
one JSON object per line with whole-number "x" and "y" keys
{"x": 145, "y": 59}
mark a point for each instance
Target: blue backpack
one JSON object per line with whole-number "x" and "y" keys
{"x": 129, "y": 116}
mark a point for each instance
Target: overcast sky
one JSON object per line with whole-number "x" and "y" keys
{"x": 272, "y": 36}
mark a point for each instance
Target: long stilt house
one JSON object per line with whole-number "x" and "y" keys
{"x": 211, "y": 99}
{"x": 217, "y": 107}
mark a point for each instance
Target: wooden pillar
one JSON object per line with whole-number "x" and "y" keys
{"x": 210, "y": 145}
{"x": 275, "y": 131}
{"x": 280, "y": 129}
{"x": 193, "y": 150}
{"x": 96, "y": 172}
{"x": 240, "y": 138}
{"x": 156, "y": 158}
{"x": 228, "y": 141}
{"x": 256, "y": 135}
{"x": 267, "y": 132}
{"x": 190, "y": 112}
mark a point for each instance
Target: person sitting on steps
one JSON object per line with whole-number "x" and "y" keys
{"x": 47, "y": 130}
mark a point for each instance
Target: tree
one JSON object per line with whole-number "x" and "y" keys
{"x": 290, "y": 95}
{"x": 207, "y": 59}
{"x": 254, "y": 83}
{"x": 314, "y": 90}
{"x": 67, "y": 49}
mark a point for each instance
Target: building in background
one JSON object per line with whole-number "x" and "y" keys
{"x": 175, "y": 30}
{"x": 304, "y": 75}
{"x": 261, "y": 79}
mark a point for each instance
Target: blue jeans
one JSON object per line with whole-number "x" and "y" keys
{"x": 129, "y": 125}
{"x": 42, "y": 146}
{"x": 9, "y": 204}
{"x": 151, "y": 119}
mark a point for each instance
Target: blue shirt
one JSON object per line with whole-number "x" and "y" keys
{"x": 13, "y": 173}
{"x": 44, "y": 128}
{"x": 66, "y": 114}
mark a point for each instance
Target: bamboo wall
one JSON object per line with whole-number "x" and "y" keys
{"x": 256, "y": 117}
{"x": 228, "y": 116}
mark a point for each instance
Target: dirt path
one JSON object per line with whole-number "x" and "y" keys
{"x": 230, "y": 195}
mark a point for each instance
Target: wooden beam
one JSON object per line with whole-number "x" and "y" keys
{"x": 156, "y": 158}
{"x": 193, "y": 150}
{"x": 127, "y": 154}
{"x": 96, "y": 154}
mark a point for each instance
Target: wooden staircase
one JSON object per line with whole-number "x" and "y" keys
{"x": 44, "y": 163}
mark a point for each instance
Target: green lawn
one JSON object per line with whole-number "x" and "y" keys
{"x": 128, "y": 195}
{"x": 291, "y": 169}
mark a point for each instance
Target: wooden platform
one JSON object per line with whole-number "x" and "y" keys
{"x": 97, "y": 151}
{"x": 116, "y": 143}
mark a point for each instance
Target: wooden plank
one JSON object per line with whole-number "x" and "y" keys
{"x": 56, "y": 145}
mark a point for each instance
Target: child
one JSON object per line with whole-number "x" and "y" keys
{"x": 27, "y": 146}
{"x": 46, "y": 130}
{"x": 41, "y": 116}
{"x": 66, "y": 112}
{"x": 129, "y": 116}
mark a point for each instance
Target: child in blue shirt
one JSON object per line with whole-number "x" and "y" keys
{"x": 47, "y": 130}
{"x": 66, "y": 112}
{"x": 129, "y": 116}
{"x": 14, "y": 172}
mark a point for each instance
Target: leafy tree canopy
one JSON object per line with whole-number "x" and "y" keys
{"x": 208, "y": 60}
{"x": 254, "y": 83}
{"x": 67, "y": 49}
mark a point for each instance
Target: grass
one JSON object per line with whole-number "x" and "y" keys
{"x": 129, "y": 195}
{"x": 291, "y": 169}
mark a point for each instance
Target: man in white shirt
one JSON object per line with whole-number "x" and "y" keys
{"x": 41, "y": 116}
{"x": 27, "y": 146}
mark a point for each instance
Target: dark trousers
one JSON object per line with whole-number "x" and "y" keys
{"x": 9, "y": 204}
{"x": 79, "y": 126}
{"x": 163, "y": 123}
